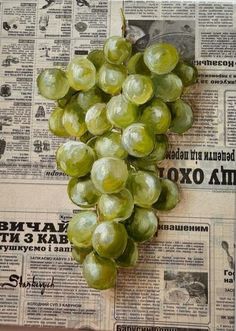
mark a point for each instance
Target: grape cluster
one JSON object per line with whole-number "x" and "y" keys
{"x": 117, "y": 107}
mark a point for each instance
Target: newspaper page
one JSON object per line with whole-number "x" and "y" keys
{"x": 185, "y": 278}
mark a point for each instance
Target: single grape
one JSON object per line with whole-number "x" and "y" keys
{"x": 117, "y": 49}
{"x": 136, "y": 65}
{"x": 96, "y": 119}
{"x": 186, "y": 72}
{"x": 81, "y": 73}
{"x": 63, "y": 101}
{"x": 80, "y": 229}
{"x": 145, "y": 188}
{"x": 118, "y": 206}
{"x": 82, "y": 192}
{"x": 142, "y": 225}
{"x": 168, "y": 87}
{"x": 97, "y": 57}
{"x": 169, "y": 196}
{"x": 130, "y": 256}
{"x": 79, "y": 254}
{"x": 111, "y": 78}
{"x": 109, "y": 239}
{"x": 137, "y": 140}
{"x": 160, "y": 149}
{"x": 157, "y": 116}
{"x": 121, "y": 112}
{"x": 87, "y": 99}
{"x": 52, "y": 84}
{"x": 110, "y": 144}
{"x": 99, "y": 273}
{"x": 138, "y": 89}
{"x": 55, "y": 123}
{"x": 109, "y": 174}
{"x": 73, "y": 119}
{"x": 75, "y": 158}
{"x": 161, "y": 58}
{"x": 182, "y": 116}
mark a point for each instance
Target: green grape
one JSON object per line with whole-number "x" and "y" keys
{"x": 87, "y": 99}
{"x": 109, "y": 239}
{"x": 139, "y": 164}
{"x": 75, "y": 158}
{"x": 142, "y": 225}
{"x": 55, "y": 123}
{"x": 138, "y": 89}
{"x": 168, "y": 87}
{"x": 97, "y": 57}
{"x": 81, "y": 73}
{"x": 64, "y": 101}
{"x": 161, "y": 58}
{"x": 52, "y": 84}
{"x": 81, "y": 228}
{"x": 111, "y": 78}
{"x": 186, "y": 72}
{"x": 82, "y": 192}
{"x": 182, "y": 116}
{"x": 96, "y": 119}
{"x": 121, "y": 112}
{"x": 118, "y": 206}
{"x": 73, "y": 119}
{"x": 130, "y": 256}
{"x": 109, "y": 174}
{"x": 169, "y": 196}
{"x": 110, "y": 145}
{"x": 79, "y": 254}
{"x": 136, "y": 65}
{"x": 99, "y": 273}
{"x": 160, "y": 149}
{"x": 157, "y": 116}
{"x": 117, "y": 49}
{"x": 145, "y": 188}
{"x": 137, "y": 140}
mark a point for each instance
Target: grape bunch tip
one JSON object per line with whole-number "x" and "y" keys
{"x": 116, "y": 107}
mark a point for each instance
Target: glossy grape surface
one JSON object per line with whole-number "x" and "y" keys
{"x": 117, "y": 49}
{"x": 161, "y": 58}
{"x": 75, "y": 158}
{"x": 186, "y": 72}
{"x": 130, "y": 256}
{"x": 73, "y": 119}
{"x": 81, "y": 227}
{"x": 145, "y": 188}
{"x": 81, "y": 73}
{"x": 96, "y": 119}
{"x": 169, "y": 196}
{"x": 121, "y": 112}
{"x": 168, "y": 87}
{"x": 99, "y": 273}
{"x": 109, "y": 174}
{"x": 138, "y": 89}
{"x": 182, "y": 116}
{"x": 53, "y": 84}
{"x": 55, "y": 123}
{"x": 142, "y": 225}
{"x": 82, "y": 192}
{"x": 111, "y": 78}
{"x": 87, "y": 99}
{"x": 157, "y": 117}
{"x": 110, "y": 239}
{"x": 118, "y": 206}
{"x": 110, "y": 144}
{"x": 137, "y": 140}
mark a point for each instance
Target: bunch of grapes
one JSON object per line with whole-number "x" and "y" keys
{"x": 116, "y": 107}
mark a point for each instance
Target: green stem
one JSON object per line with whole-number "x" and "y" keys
{"x": 123, "y": 27}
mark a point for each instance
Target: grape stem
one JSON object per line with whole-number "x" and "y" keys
{"x": 124, "y": 25}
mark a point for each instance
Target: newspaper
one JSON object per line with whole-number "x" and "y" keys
{"x": 185, "y": 278}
